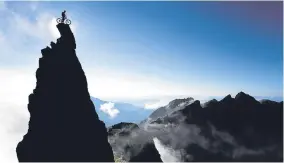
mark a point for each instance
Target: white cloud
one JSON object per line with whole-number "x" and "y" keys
{"x": 42, "y": 28}
{"x": 167, "y": 154}
{"x": 157, "y": 104}
{"x": 108, "y": 84}
{"x": 52, "y": 28}
{"x": 35, "y": 29}
{"x": 109, "y": 109}
{"x": 13, "y": 126}
{"x": 16, "y": 85}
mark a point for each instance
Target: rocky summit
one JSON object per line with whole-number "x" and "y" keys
{"x": 63, "y": 125}
{"x": 233, "y": 129}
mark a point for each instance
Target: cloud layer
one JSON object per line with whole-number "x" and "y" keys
{"x": 109, "y": 109}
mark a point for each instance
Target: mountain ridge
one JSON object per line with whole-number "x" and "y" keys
{"x": 231, "y": 129}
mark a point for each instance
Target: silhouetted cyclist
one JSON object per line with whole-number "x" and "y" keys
{"x": 63, "y": 16}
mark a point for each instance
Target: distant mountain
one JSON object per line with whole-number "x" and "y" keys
{"x": 173, "y": 106}
{"x": 181, "y": 103}
{"x": 126, "y": 112}
{"x": 231, "y": 129}
{"x": 273, "y": 98}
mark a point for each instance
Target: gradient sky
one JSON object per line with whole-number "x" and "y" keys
{"x": 151, "y": 49}
{"x": 142, "y": 50}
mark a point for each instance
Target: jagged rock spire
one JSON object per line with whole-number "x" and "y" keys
{"x": 64, "y": 126}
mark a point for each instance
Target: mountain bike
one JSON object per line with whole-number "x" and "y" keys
{"x": 66, "y": 21}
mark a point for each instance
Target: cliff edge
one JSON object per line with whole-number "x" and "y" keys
{"x": 63, "y": 126}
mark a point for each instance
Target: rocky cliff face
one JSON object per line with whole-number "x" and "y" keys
{"x": 232, "y": 129}
{"x": 129, "y": 147}
{"x": 173, "y": 106}
{"x": 63, "y": 126}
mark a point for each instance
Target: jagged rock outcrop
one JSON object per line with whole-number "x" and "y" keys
{"x": 148, "y": 153}
{"x": 173, "y": 106}
{"x": 63, "y": 126}
{"x": 125, "y": 139}
{"x": 122, "y": 129}
{"x": 232, "y": 129}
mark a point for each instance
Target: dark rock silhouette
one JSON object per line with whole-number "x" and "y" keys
{"x": 232, "y": 129}
{"x": 149, "y": 153}
{"x": 254, "y": 125}
{"x": 171, "y": 107}
{"x": 63, "y": 126}
{"x": 122, "y": 129}
{"x": 127, "y": 145}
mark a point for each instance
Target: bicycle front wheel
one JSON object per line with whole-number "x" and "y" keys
{"x": 67, "y": 21}
{"x": 59, "y": 20}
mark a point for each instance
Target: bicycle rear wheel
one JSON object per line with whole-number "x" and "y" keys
{"x": 59, "y": 20}
{"x": 67, "y": 21}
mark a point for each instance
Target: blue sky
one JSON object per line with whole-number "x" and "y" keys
{"x": 154, "y": 49}
{"x": 150, "y": 52}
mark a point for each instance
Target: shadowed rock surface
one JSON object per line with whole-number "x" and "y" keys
{"x": 122, "y": 129}
{"x": 64, "y": 126}
{"x": 174, "y": 105}
{"x": 149, "y": 153}
{"x": 127, "y": 147}
{"x": 232, "y": 129}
